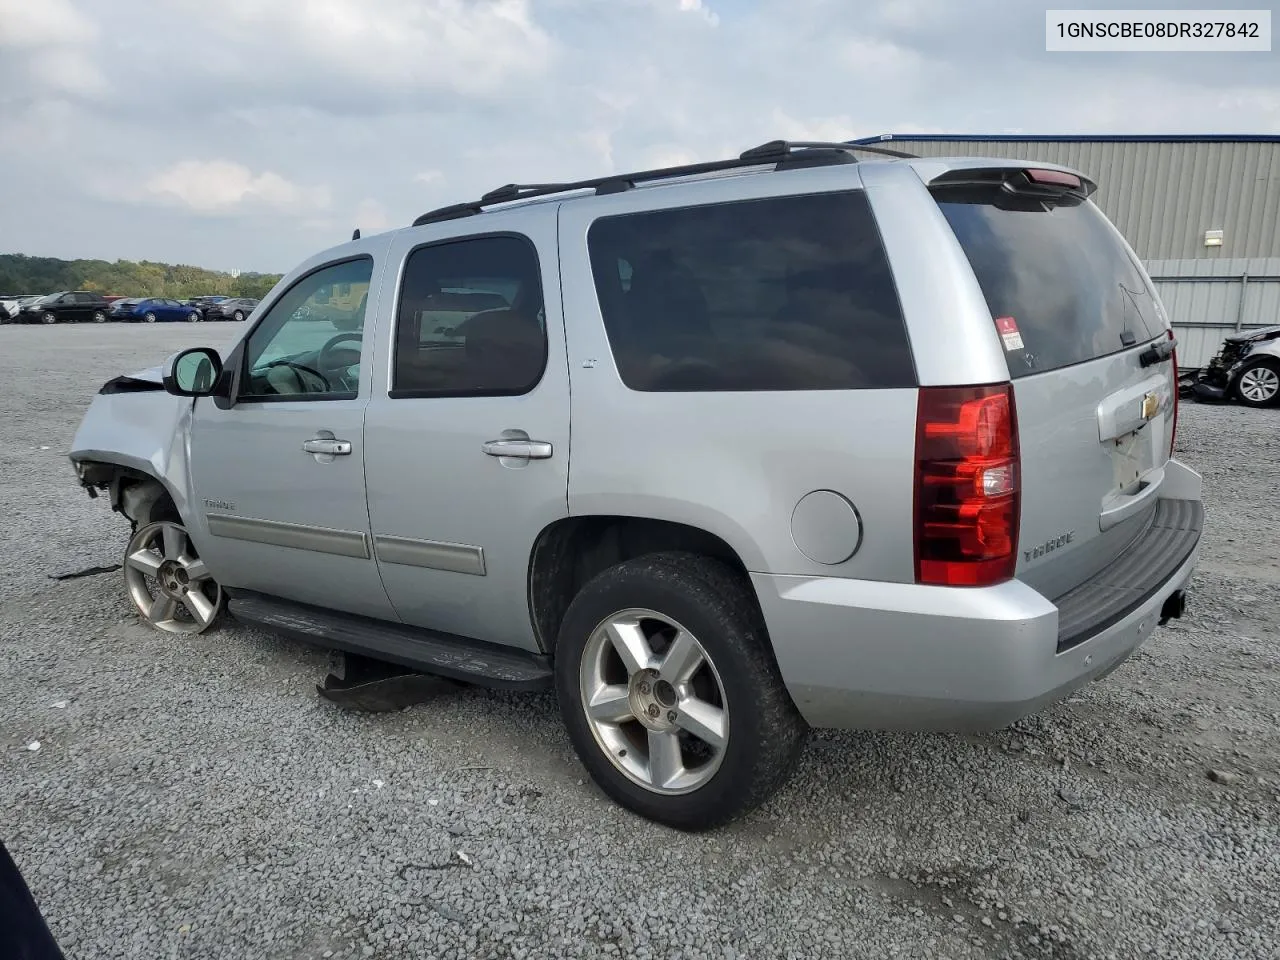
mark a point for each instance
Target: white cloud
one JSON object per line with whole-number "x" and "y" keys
{"x": 43, "y": 23}
{"x": 371, "y": 217}
{"x": 65, "y": 70}
{"x": 311, "y": 117}
{"x": 469, "y": 46}
{"x": 839, "y": 128}
{"x": 215, "y": 186}
{"x": 53, "y": 43}
{"x": 697, "y": 6}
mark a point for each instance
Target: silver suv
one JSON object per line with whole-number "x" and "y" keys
{"x": 720, "y": 452}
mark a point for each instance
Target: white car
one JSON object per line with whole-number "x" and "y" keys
{"x": 11, "y": 304}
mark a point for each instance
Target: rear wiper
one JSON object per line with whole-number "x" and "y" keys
{"x": 1158, "y": 352}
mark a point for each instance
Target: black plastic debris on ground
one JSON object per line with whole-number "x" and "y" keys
{"x": 379, "y": 687}
{"x": 86, "y": 572}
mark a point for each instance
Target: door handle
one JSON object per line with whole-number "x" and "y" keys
{"x": 334, "y": 448}
{"x": 519, "y": 449}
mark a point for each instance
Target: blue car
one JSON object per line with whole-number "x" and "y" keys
{"x": 152, "y": 310}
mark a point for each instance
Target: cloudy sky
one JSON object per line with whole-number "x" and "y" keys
{"x": 250, "y": 133}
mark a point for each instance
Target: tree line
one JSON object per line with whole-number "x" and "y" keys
{"x": 22, "y": 274}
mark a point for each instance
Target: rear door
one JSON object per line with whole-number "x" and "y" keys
{"x": 1076, "y": 314}
{"x": 467, "y": 441}
{"x": 86, "y": 303}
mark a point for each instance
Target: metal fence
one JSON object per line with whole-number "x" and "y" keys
{"x": 1208, "y": 300}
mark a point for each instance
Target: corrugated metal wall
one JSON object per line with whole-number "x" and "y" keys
{"x": 1163, "y": 195}
{"x": 1208, "y": 300}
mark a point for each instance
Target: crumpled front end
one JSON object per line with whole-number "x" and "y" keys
{"x": 1216, "y": 379}
{"x": 134, "y": 430}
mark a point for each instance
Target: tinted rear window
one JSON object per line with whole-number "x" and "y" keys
{"x": 1062, "y": 275}
{"x": 787, "y": 293}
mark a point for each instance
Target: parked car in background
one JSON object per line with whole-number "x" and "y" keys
{"x": 153, "y": 310}
{"x": 236, "y": 308}
{"x": 11, "y": 305}
{"x": 67, "y": 306}
{"x": 1246, "y": 368}
{"x": 203, "y": 303}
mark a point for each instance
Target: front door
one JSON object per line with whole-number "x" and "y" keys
{"x": 467, "y": 449}
{"x": 279, "y": 474}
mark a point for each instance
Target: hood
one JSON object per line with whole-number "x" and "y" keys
{"x": 151, "y": 378}
{"x": 1253, "y": 336}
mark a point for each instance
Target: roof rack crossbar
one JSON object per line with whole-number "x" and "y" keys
{"x": 776, "y": 152}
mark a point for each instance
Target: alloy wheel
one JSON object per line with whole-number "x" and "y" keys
{"x": 1260, "y": 384}
{"x": 169, "y": 585}
{"x": 654, "y": 701}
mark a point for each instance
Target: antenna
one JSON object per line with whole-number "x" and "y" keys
{"x": 355, "y": 234}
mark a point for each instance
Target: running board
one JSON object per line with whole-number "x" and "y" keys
{"x": 459, "y": 658}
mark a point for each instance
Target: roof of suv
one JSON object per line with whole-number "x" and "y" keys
{"x": 774, "y": 156}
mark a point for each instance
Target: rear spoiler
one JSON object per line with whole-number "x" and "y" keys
{"x": 1048, "y": 184}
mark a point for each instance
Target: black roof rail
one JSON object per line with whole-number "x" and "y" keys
{"x": 777, "y": 149}
{"x": 783, "y": 154}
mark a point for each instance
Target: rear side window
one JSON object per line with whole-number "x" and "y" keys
{"x": 1059, "y": 271}
{"x": 787, "y": 293}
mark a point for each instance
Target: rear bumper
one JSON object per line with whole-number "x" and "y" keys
{"x": 866, "y": 655}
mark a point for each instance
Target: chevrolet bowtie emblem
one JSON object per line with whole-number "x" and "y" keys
{"x": 1150, "y": 405}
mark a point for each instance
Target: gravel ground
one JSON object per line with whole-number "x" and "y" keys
{"x": 194, "y": 797}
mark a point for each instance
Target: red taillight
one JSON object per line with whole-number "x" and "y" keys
{"x": 1173, "y": 427}
{"x": 967, "y": 486}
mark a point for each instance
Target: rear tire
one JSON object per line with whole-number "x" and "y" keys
{"x": 48, "y": 317}
{"x": 237, "y": 316}
{"x": 99, "y": 317}
{"x": 739, "y": 751}
{"x": 149, "y": 317}
{"x": 1259, "y": 384}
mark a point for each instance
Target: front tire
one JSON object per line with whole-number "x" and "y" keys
{"x": 99, "y": 317}
{"x": 670, "y": 693}
{"x": 193, "y": 317}
{"x": 1259, "y": 385}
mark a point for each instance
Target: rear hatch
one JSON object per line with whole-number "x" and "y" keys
{"x": 1089, "y": 355}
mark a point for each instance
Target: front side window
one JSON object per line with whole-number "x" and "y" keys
{"x": 471, "y": 320}
{"x": 307, "y": 346}
{"x": 786, "y": 293}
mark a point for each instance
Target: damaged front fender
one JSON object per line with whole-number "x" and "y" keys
{"x": 132, "y": 430}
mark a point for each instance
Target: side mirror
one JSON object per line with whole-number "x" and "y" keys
{"x": 193, "y": 373}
